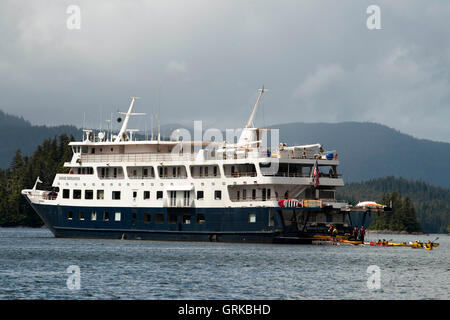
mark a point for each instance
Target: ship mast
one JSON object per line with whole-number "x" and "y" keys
{"x": 122, "y": 136}
{"x": 255, "y": 108}
{"x": 248, "y": 136}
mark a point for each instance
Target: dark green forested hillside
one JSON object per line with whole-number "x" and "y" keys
{"x": 431, "y": 203}
{"x": 402, "y": 218}
{"x": 48, "y": 158}
{"x": 19, "y": 133}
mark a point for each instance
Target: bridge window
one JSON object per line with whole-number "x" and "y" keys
{"x": 117, "y": 216}
{"x": 217, "y": 195}
{"x": 93, "y": 216}
{"x": 146, "y": 195}
{"x": 200, "y": 195}
{"x": 69, "y": 215}
{"x": 252, "y": 217}
{"x": 105, "y": 216}
{"x": 159, "y": 194}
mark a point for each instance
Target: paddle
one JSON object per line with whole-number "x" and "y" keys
{"x": 431, "y": 244}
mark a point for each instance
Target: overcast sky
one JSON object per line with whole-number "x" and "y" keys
{"x": 206, "y": 59}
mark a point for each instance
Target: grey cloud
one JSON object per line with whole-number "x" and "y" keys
{"x": 205, "y": 60}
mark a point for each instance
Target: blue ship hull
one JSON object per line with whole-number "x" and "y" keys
{"x": 266, "y": 225}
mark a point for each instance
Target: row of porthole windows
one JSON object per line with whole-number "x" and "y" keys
{"x": 93, "y": 216}
{"x": 89, "y": 194}
{"x": 158, "y": 218}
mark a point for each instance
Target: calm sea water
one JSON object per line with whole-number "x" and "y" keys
{"x": 33, "y": 265}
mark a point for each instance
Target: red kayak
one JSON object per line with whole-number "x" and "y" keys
{"x": 379, "y": 244}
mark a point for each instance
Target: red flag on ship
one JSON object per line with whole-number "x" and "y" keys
{"x": 316, "y": 174}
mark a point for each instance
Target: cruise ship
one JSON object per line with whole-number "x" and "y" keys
{"x": 116, "y": 187}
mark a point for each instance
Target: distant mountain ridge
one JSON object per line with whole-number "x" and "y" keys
{"x": 370, "y": 150}
{"x": 18, "y": 133}
{"x": 365, "y": 150}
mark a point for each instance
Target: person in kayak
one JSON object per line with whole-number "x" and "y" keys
{"x": 335, "y": 232}
{"x": 330, "y": 230}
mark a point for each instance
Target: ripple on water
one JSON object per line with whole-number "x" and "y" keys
{"x": 33, "y": 266}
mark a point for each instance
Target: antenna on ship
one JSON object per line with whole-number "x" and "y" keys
{"x": 159, "y": 125}
{"x": 151, "y": 124}
{"x": 157, "y": 118}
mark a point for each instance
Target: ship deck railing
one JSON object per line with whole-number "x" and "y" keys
{"x": 43, "y": 195}
{"x": 275, "y": 198}
{"x": 250, "y": 198}
{"x": 134, "y": 157}
{"x": 141, "y": 176}
{"x": 241, "y": 174}
{"x": 205, "y": 176}
{"x": 149, "y": 157}
{"x": 301, "y": 175}
{"x": 111, "y": 176}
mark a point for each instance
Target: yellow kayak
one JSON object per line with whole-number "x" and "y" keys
{"x": 399, "y": 244}
{"x": 320, "y": 236}
{"x": 427, "y": 246}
